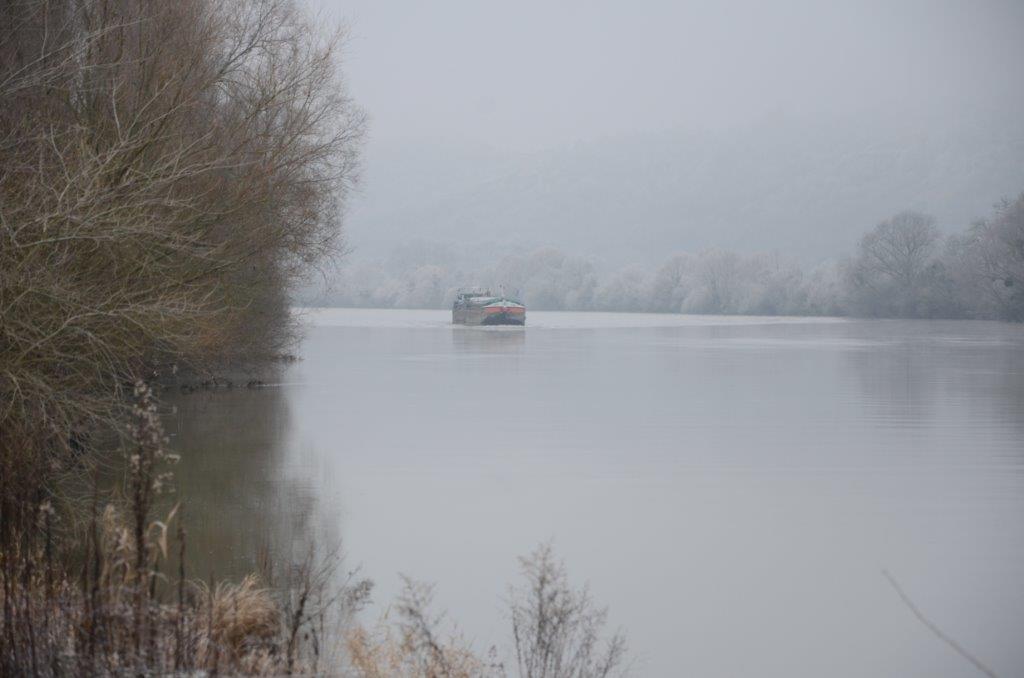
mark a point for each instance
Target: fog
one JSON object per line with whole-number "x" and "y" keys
{"x": 622, "y": 132}
{"x": 533, "y": 75}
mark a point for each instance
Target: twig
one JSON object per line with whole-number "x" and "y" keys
{"x": 935, "y": 629}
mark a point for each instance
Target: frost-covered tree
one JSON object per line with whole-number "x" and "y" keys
{"x": 893, "y": 266}
{"x": 547, "y": 278}
{"x": 672, "y": 283}
{"x": 627, "y": 290}
{"x": 717, "y": 283}
{"x": 999, "y": 244}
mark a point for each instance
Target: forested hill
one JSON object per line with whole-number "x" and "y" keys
{"x": 806, "y": 190}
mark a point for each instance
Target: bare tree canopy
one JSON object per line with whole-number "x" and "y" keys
{"x": 167, "y": 172}
{"x": 1000, "y": 255}
{"x": 899, "y": 248}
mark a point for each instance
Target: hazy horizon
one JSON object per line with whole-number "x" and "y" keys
{"x": 622, "y": 133}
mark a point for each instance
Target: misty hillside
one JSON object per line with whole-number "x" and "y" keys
{"x": 809, "y": 191}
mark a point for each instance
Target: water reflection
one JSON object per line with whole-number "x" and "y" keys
{"x": 488, "y": 340}
{"x": 942, "y": 387}
{"x": 232, "y": 475}
{"x": 897, "y": 381}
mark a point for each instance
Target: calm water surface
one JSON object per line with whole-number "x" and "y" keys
{"x": 730, "y": 487}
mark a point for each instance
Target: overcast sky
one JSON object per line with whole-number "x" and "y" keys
{"x": 531, "y": 74}
{"x": 628, "y": 129}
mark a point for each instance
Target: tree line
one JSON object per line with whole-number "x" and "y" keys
{"x": 903, "y": 268}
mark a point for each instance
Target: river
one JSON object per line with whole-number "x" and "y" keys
{"x": 731, "y": 488}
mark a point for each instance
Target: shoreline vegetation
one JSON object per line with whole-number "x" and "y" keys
{"x": 903, "y": 268}
{"x": 115, "y": 597}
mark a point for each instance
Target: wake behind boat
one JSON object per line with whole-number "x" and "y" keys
{"x": 481, "y": 307}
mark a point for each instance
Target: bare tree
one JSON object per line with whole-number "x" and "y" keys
{"x": 887, "y": 273}
{"x": 999, "y": 253}
{"x": 901, "y": 247}
{"x": 167, "y": 172}
{"x": 718, "y": 278}
{"x": 672, "y": 282}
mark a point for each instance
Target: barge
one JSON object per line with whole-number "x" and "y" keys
{"x": 480, "y": 307}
